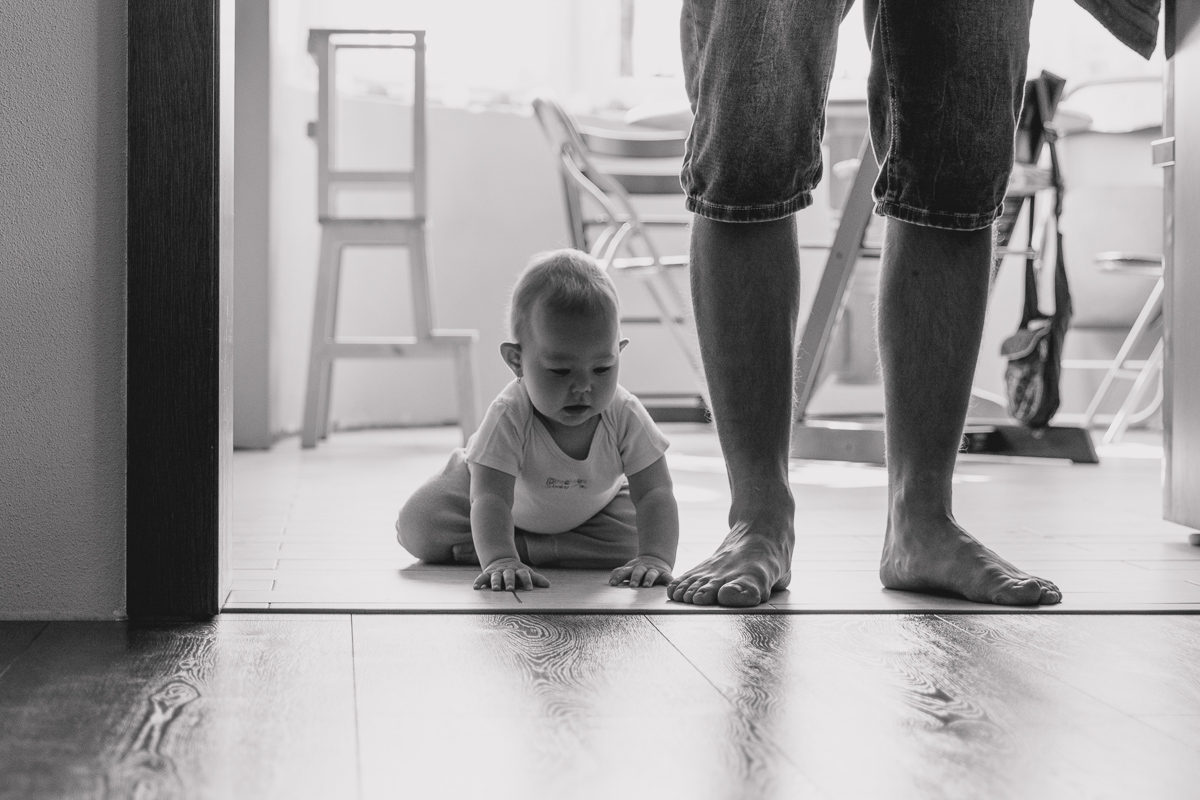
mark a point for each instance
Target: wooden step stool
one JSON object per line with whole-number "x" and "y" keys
{"x": 341, "y": 232}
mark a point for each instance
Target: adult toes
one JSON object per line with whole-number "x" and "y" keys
{"x": 739, "y": 594}
{"x": 784, "y": 582}
{"x": 679, "y": 588}
{"x": 1026, "y": 592}
{"x": 1051, "y": 594}
{"x": 706, "y": 593}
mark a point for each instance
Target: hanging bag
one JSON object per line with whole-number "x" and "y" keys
{"x": 1033, "y": 354}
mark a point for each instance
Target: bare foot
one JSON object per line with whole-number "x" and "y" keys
{"x": 939, "y": 557}
{"x": 753, "y": 561}
{"x": 464, "y": 553}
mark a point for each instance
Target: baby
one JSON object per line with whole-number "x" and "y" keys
{"x": 567, "y": 469}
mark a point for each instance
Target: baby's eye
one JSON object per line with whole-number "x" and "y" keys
{"x": 602, "y": 370}
{"x": 562, "y": 373}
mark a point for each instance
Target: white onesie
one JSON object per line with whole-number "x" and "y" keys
{"x": 555, "y": 493}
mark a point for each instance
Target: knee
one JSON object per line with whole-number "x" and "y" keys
{"x": 424, "y": 533}
{"x": 416, "y": 534}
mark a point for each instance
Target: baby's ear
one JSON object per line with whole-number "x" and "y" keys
{"x": 511, "y": 353}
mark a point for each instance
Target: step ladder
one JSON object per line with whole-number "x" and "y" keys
{"x": 407, "y": 230}
{"x": 860, "y": 438}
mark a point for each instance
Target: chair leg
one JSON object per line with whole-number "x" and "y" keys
{"x": 319, "y": 358}
{"x": 1150, "y": 310}
{"x": 1121, "y": 421}
{"x": 660, "y": 285}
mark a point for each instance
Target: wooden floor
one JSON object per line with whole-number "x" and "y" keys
{"x": 292, "y": 706}
{"x": 313, "y": 531}
{"x": 600, "y": 705}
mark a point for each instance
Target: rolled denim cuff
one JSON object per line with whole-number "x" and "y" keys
{"x": 749, "y": 213}
{"x": 946, "y": 220}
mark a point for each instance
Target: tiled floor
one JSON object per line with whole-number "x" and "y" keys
{"x": 313, "y": 531}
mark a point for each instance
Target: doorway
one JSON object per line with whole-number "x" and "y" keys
{"x": 179, "y": 448}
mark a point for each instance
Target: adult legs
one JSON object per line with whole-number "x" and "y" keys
{"x": 746, "y": 288}
{"x": 757, "y": 74}
{"x": 933, "y": 294}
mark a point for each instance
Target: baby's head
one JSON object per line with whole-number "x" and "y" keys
{"x": 566, "y": 347}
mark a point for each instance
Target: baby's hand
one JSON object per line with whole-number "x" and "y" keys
{"x": 507, "y": 574}
{"x": 642, "y": 571}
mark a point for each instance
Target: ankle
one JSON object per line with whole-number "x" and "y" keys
{"x": 763, "y": 502}
{"x": 765, "y": 489}
{"x": 923, "y": 499}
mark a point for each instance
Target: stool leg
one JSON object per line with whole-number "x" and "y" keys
{"x": 326, "y": 386}
{"x": 320, "y": 359}
{"x": 335, "y": 290}
{"x": 323, "y": 400}
{"x": 418, "y": 266}
{"x": 468, "y": 399}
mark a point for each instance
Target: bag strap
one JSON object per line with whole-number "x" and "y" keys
{"x": 1062, "y": 289}
{"x": 1041, "y": 113}
{"x": 1050, "y": 140}
{"x": 1030, "y": 309}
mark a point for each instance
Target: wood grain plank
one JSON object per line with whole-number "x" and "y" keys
{"x": 911, "y": 706}
{"x": 1139, "y": 665}
{"x": 255, "y": 707}
{"x": 547, "y": 706}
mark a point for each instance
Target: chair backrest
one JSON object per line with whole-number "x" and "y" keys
{"x": 601, "y": 162}
{"x": 1117, "y": 104}
{"x": 578, "y": 172}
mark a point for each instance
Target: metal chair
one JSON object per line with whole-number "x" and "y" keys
{"x": 601, "y": 168}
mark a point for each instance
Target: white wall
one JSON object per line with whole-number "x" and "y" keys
{"x": 252, "y": 375}
{"x": 62, "y": 310}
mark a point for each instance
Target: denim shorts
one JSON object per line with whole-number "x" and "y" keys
{"x": 944, "y": 93}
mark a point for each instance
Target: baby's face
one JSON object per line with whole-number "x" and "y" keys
{"x": 569, "y": 364}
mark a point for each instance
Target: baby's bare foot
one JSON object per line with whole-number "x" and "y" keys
{"x": 750, "y": 564}
{"x": 939, "y": 557}
{"x": 464, "y": 553}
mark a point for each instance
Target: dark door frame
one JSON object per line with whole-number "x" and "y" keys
{"x": 179, "y": 250}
